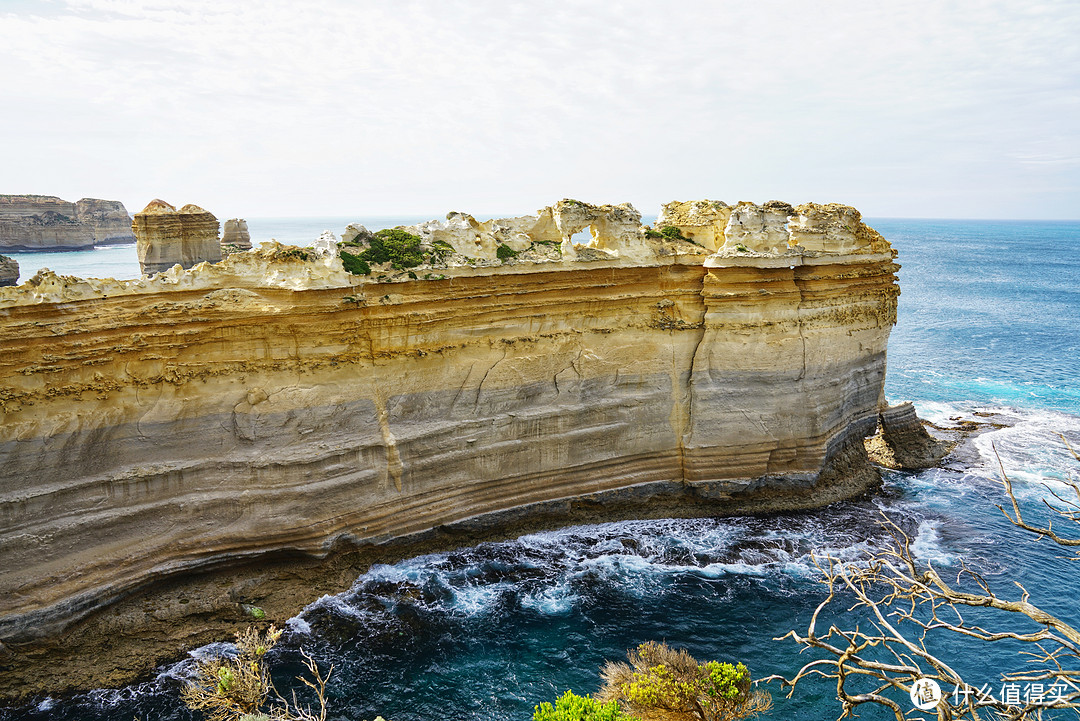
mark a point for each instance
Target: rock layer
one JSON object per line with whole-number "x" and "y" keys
{"x": 45, "y": 222}
{"x": 9, "y": 271}
{"x": 235, "y": 236}
{"x": 236, "y": 430}
{"x": 108, "y": 218}
{"x": 167, "y": 237}
{"x": 41, "y": 222}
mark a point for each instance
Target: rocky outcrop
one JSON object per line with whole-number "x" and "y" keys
{"x": 109, "y": 220}
{"x": 257, "y": 431}
{"x": 41, "y": 222}
{"x": 904, "y": 442}
{"x": 235, "y": 236}
{"x": 166, "y": 237}
{"x": 9, "y": 271}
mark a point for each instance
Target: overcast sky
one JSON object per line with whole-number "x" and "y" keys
{"x": 350, "y": 107}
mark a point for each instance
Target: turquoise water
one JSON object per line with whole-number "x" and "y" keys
{"x": 988, "y": 322}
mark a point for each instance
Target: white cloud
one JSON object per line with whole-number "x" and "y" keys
{"x": 339, "y": 107}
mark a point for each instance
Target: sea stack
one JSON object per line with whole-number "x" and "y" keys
{"x": 168, "y": 237}
{"x": 235, "y": 236}
{"x": 9, "y": 271}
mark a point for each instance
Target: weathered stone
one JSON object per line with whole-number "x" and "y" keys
{"x": 235, "y": 235}
{"x": 702, "y": 221}
{"x": 9, "y": 271}
{"x": 904, "y": 441}
{"x": 41, "y": 222}
{"x": 168, "y": 237}
{"x": 109, "y": 220}
{"x": 275, "y": 422}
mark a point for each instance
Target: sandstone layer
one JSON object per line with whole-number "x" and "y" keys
{"x": 256, "y": 431}
{"x": 41, "y": 222}
{"x": 235, "y": 236}
{"x": 44, "y": 222}
{"x": 9, "y": 271}
{"x": 108, "y": 218}
{"x": 166, "y": 237}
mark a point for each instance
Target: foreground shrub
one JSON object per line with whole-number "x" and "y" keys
{"x": 664, "y": 684}
{"x": 571, "y": 707}
{"x": 239, "y": 688}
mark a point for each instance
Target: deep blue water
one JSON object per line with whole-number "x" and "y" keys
{"x": 988, "y": 322}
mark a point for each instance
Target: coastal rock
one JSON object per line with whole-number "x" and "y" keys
{"x": 259, "y": 430}
{"x": 702, "y": 221}
{"x": 109, "y": 220}
{"x": 9, "y": 271}
{"x": 758, "y": 228}
{"x": 235, "y": 235}
{"x": 904, "y": 442}
{"x": 167, "y": 237}
{"x": 41, "y": 222}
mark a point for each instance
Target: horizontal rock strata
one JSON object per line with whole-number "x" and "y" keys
{"x": 108, "y": 218}
{"x": 258, "y": 430}
{"x": 41, "y": 222}
{"x": 45, "y": 222}
{"x": 166, "y": 237}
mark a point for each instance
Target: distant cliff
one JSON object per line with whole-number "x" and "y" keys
{"x": 45, "y": 222}
{"x": 256, "y": 431}
{"x": 108, "y": 218}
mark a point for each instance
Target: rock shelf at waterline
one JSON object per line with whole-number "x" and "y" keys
{"x": 253, "y": 433}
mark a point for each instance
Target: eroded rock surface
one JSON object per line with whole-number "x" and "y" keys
{"x": 9, "y": 271}
{"x": 257, "y": 430}
{"x": 41, "y": 222}
{"x": 109, "y": 220}
{"x": 235, "y": 235}
{"x": 904, "y": 442}
{"x": 166, "y": 237}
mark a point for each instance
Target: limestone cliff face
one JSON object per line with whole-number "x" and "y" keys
{"x": 275, "y": 404}
{"x": 108, "y": 218}
{"x": 167, "y": 237}
{"x": 9, "y": 271}
{"x": 41, "y": 222}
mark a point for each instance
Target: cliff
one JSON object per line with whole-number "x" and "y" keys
{"x": 108, "y": 218}
{"x": 259, "y": 430}
{"x": 166, "y": 237}
{"x": 45, "y": 222}
{"x": 41, "y": 222}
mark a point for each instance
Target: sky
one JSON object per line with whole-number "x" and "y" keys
{"x": 353, "y": 107}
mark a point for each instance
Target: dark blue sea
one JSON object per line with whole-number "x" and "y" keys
{"x": 989, "y": 323}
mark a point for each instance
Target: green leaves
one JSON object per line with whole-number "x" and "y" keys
{"x": 571, "y": 707}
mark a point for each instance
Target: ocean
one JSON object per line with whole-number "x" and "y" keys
{"x": 989, "y": 323}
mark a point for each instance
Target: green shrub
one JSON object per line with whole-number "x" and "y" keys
{"x": 355, "y": 264}
{"x": 398, "y": 247}
{"x": 505, "y": 253}
{"x": 571, "y": 707}
{"x": 650, "y": 233}
{"x": 670, "y": 231}
{"x": 661, "y": 683}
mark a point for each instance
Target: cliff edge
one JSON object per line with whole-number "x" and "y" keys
{"x": 45, "y": 222}
{"x": 180, "y": 447}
